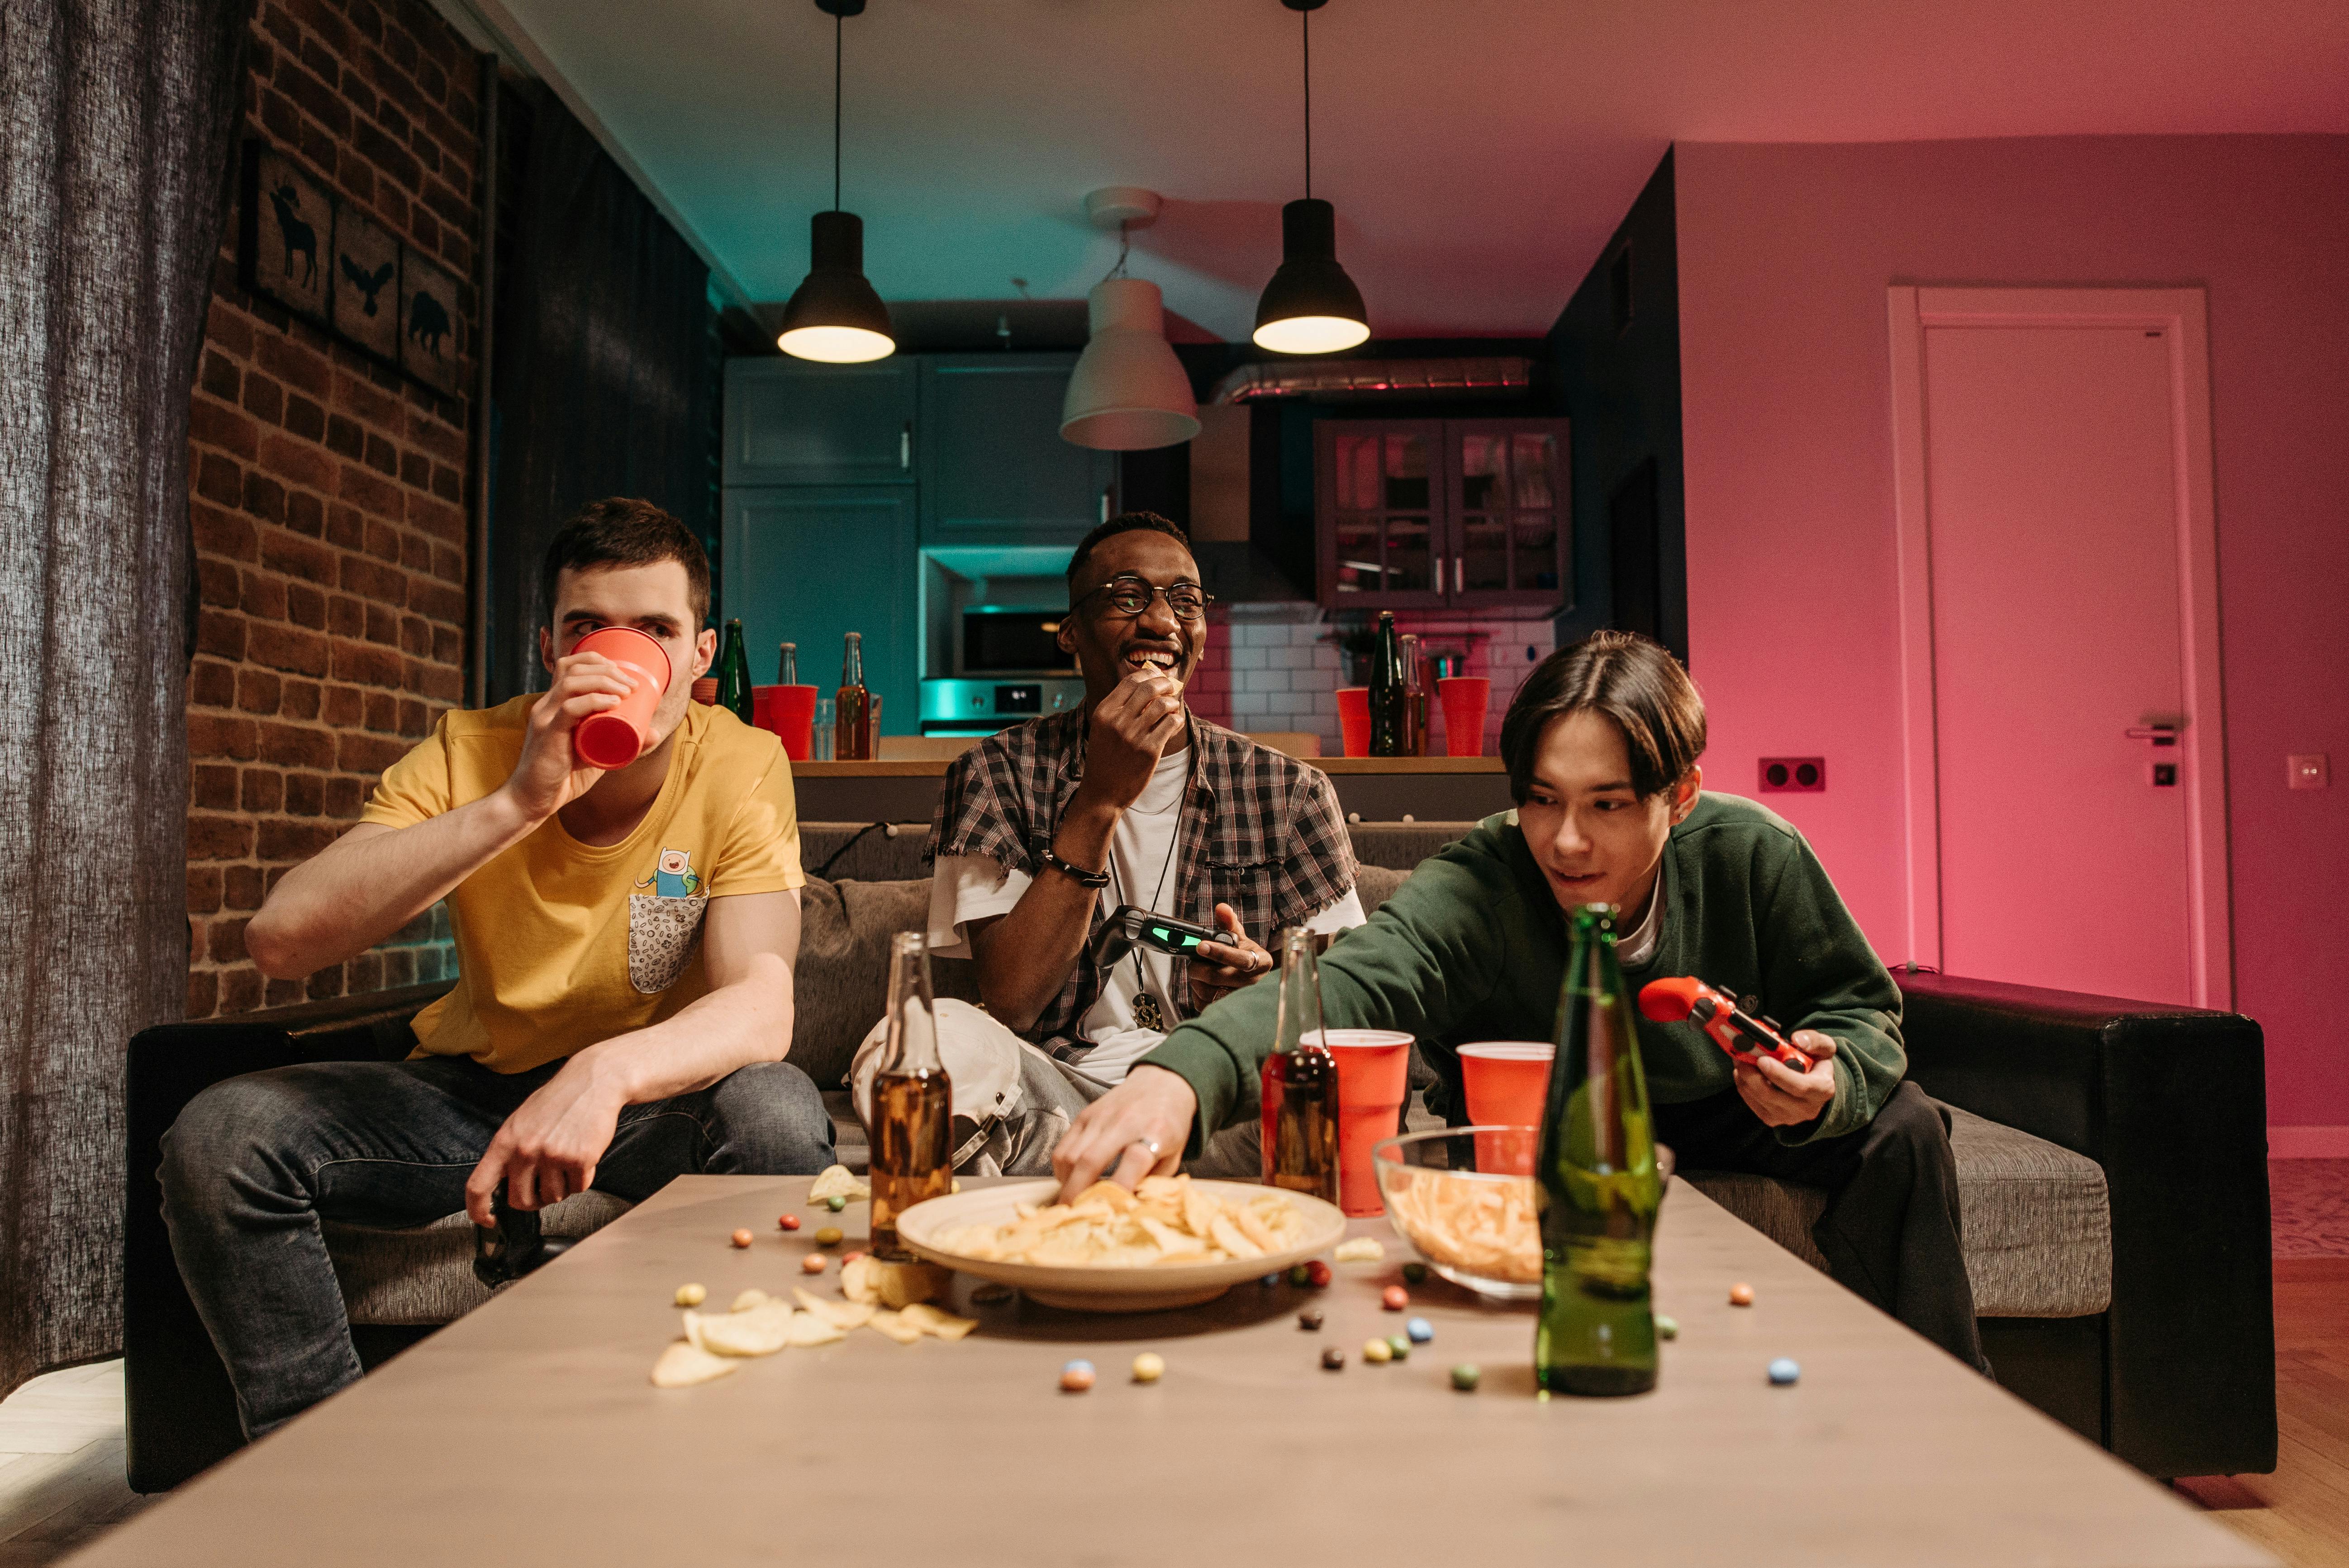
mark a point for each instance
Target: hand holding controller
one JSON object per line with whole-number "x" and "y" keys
{"x": 1733, "y": 1028}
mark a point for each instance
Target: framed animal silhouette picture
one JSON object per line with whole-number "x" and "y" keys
{"x": 364, "y": 293}
{"x": 428, "y": 323}
{"x": 284, "y": 233}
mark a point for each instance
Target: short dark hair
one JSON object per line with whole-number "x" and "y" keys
{"x": 1123, "y": 523}
{"x": 1636, "y": 683}
{"x": 619, "y": 532}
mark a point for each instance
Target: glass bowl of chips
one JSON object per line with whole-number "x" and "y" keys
{"x": 1463, "y": 1197}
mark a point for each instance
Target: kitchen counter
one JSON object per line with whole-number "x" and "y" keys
{"x": 1374, "y": 788}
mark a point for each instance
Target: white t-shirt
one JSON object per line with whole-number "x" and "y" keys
{"x": 1143, "y": 863}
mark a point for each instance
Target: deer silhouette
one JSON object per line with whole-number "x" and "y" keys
{"x": 298, "y": 234}
{"x": 368, "y": 283}
{"x": 428, "y": 322}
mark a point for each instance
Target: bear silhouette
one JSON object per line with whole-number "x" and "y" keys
{"x": 368, "y": 283}
{"x": 428, "y": 322}
{"x": 296, "y": 234}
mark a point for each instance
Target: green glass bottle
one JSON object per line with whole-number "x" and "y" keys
{"x": 734, "y": 672}
{"x": 1596, "y": 1184}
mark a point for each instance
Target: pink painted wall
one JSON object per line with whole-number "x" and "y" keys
{"x": 1785, "y": 253}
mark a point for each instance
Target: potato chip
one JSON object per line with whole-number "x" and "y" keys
{"x": 838, "y": 1181}
{"x": 748, "y": 1299}
{"x": 894, "y": 1325}
{"x": 759, "y": 1331}
{"x": 930, "y": 1320}
{"x": 812, "y": 1328}
{"x": 839, "y": 1314}
{"x": 883, "y": 1284}
{"x": 1361, "y": 1250}
{"x": 1165, "y": 1220}
{"x": 682, "y": 1364}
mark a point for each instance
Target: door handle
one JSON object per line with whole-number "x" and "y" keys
{"x": 1459, "y": 576}
{"x": 906, "y": 446}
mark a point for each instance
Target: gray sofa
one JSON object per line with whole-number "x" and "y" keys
{"x": 2037, "y": 1210}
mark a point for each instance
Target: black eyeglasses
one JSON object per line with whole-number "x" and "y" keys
{"x": 1132, "y": 596}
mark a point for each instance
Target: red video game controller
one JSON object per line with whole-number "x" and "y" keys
{"x": 1733, "y": 1028}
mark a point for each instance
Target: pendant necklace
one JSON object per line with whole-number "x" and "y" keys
{"x": 1147, "y": 1014}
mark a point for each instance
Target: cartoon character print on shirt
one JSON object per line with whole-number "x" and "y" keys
{"x": 663, "y": 924}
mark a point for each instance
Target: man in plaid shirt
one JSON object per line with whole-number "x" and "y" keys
{"x": 1045, "y": 830}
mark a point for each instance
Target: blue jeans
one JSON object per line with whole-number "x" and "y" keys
{"x": 255, "y": 1163}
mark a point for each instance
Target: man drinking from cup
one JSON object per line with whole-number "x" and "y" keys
{"x": 626, "y": 936}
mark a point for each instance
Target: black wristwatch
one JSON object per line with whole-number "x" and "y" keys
{"x": 1076, "y": 873}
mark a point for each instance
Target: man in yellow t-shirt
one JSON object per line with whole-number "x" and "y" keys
{"x": 624, "y": 942}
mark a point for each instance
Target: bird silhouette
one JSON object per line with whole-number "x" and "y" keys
{"x": 368, "y": 283}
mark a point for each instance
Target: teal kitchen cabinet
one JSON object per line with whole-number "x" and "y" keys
{"x": 809, "y": 564}
{"x": 993, "y": 468}
{"x": 791, "y": 422}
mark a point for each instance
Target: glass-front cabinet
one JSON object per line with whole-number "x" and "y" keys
{"x": 1415, "y": 514}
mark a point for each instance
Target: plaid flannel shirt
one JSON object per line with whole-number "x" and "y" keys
{"x": 1259, "y": 832}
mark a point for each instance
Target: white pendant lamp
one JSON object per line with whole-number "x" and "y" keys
{"x": 834, "y": 316}
{"x": 1129, "y": 392}
{"x": 1311, "y": 307}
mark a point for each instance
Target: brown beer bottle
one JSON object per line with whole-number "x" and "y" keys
{"x": 851, "y": 735}
{"x": 912, "y": 1100}
{"x": 1301, "y": 1081}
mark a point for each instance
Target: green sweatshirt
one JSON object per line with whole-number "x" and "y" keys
{"x": 1472, "y": 947}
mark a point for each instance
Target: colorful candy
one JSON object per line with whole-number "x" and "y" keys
{"x": 1784, "y": 1371}
{"x": 1399, "y": 1347}
{"x": 1309, "y": 1320}
{"x": 741, "y": 1238}
{"x": 1415, "y": 1272}
{"x": 1149, "y": 1366}
{"x": 1300, "y": 1275}
{"x": 835, "y": 1203}
{"x": 1375, "y": 1351}
{"x": 1394, "y": 1298}
{"x": 1741, "y": 1295}
{"x": 1420, "y": 1330}
{"x": 691, "y": 1295}
{"x": 788, "y": 1223}
{"x": 1268, "y": 1281}
{"x": 812, "y": 1264}
{"x": 1465, "y": 1376}
{"x": 1667, "y": 1329}
{"x": 1317, "y": 1275}
{"x": 1333, "y": 1359}
{"x": 1076, "y": 1376}
{"x": 828, "y": 1237}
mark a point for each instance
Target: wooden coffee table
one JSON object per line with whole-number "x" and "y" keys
{"x": 527, "y": 1432}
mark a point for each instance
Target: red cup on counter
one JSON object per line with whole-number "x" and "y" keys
{"x": 704, "y": 691}
{"x": 1354, "y": 720}
{"x": 1373, "y": 1074}
{"x": 1466, "y": 699}
{"x": 617, "y": 736}
{"x": 788, "y": 712}
{"x": 1507, "y": 1084}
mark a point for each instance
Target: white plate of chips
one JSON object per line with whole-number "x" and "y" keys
{"x": 1175, "y": 1242}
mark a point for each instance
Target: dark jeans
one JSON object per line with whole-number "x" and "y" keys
{"x": 1890, "y": 1233}
{"x": 255, "y": 1163}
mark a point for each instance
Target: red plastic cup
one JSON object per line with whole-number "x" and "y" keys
{"x": 1466, "y": 700}
{"x": 1507, "y": 1085}
{"x": 1354, "y": 720}
{"x": 1373, "y": 1074}
{"x": 789, "y": 711}
{"x": 617, "y": 736}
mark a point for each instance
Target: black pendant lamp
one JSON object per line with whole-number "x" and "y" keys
{"x": 835, "y": 316}
{"x": 1311, "y": 307}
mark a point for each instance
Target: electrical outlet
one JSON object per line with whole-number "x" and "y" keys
{"x": 1794, "y": 774}
{"x": 2313, "y": 771}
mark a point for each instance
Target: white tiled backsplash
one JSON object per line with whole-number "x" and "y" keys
{"x": 1276, "y": 667}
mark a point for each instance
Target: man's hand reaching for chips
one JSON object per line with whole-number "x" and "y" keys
{"x": 1136, "y": 1129}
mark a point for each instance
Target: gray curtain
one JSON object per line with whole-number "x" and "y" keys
{"x": 116, "y": 121}
{"x": 604, "y": 379}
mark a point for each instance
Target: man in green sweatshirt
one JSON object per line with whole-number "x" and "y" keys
{"x": 1601, "y": 745}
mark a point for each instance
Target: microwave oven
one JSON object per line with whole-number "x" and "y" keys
{"x": 1001, "y": 640}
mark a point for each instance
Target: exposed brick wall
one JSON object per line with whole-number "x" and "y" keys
{"x": 328, "y": 500}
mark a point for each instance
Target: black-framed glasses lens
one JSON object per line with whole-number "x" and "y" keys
{"x": 1132, "y": 596}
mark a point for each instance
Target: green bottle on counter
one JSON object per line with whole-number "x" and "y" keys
{"x": 734, "y": 672}
{"x": 1596, "y": 1186}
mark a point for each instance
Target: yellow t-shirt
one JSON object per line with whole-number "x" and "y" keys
{"x": 559, "y": 944}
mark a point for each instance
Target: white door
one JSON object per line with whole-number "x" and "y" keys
{"x": 2059, "y": 597}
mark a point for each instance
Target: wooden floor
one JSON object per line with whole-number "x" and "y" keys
{"x": 61, "y": 1443}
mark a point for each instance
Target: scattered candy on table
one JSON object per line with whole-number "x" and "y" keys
{"x": 741, "y": 1238}
{"x": 788, "y": 1223}
{"x": 828, "y": 1237}
{"x": 1415, "y": 1272}
{"x": 691, "y": 1295}
{"x": 1399, "y": 1347}
{"x": 1741, "y": 1295}
{"x": 1317, "y": 1275}
{"x": 1333, "y": 1359}
{"x": 1784, "y": 1370}
{"x": 1149, "y": 1366}
{"x": 835, "y": 1203}
{"x": 1465, "y": 1376}
{"x": 1420, "y": 1330}
{"x": 1394, "y": 1298}
{"x": 1309, "y": 1320}
{"x": 1376, "y": 1350}
{"x": 1077, "y": 1376}
{"x": 812, "y": 1264}
{"x": 1268, "y": 1281}
{"x": 985, "y": 1295}
{"x": 848, "y": 1258}
{"x": 1300, "y": 1274}
{"x": 1667, "y": 1329}
{"x": 1541, "y": 1396}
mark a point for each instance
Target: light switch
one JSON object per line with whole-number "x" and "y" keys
{"x": 2308, "y": 772}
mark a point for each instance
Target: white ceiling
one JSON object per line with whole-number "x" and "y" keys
{"x": 1479, "y": 151}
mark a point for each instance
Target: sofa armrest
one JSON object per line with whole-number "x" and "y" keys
{"x": 2172, "y": 1103}
{"x": 178, "y": 1413}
